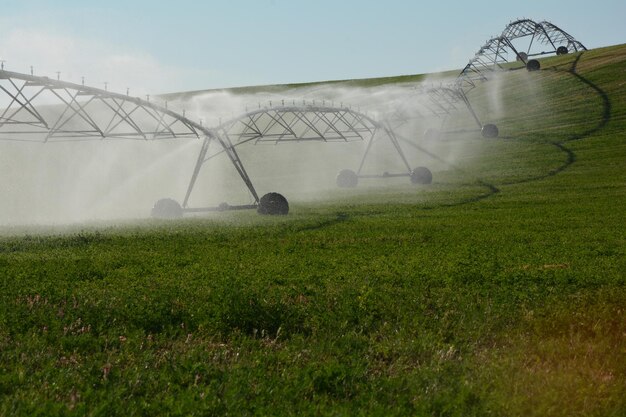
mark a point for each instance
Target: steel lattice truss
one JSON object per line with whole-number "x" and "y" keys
{"x": 442, "y": 100}
{"x": 496, "y": 54}
{"x": 286, "y": 124}
{"x": 39, "y": 109}
{"x": 298, "y": 123}
{"x": 43, "y": 110}
{"x": 544, "y": 33}
{"x": 499, "y": 51}
{"x": 433, "y": 100}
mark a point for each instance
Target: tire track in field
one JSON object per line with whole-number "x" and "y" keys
{"x": 560, "y": 145}
{"x": 491, "y": 188}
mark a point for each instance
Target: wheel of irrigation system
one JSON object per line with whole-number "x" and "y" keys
{"x": 347, "y": 179}
{"x": 522, "y": 56}
{"x": 562, "y": 50}
{"x": 533, "y": 65}
{"x": 490, "y": 131}
{"x": 167, "y": 208}
{"x": 421, "y": 175}
{"x": 431, "y": 134}
{"x": 273, "y": 204}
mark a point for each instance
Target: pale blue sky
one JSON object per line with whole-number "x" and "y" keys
{"x": 164, "y": 46}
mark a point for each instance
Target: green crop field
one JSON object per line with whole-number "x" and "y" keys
{"x": 498, "y": 290}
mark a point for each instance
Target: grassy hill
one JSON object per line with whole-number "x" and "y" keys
{"x": 364, "y": 83}
{"x": 500, "y": 290}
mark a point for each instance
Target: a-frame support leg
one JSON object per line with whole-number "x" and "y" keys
{"x": 229, "y": 149}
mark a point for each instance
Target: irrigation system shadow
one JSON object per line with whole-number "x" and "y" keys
{"x": 607, "y": 107}
{"x": 339, "y": 218}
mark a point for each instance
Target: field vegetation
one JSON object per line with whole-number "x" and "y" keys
{"x": 499, "y": 290}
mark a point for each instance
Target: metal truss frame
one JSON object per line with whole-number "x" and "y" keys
{"x": 299, "y": 123}
{"x": 446, "y": 99}
{"x": 40, "y": 109}
{"x": 27, "y": 116}
{"x": 87, "y": 113}
{"x": 497, "y": 54}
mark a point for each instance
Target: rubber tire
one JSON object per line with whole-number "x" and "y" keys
{"x": 533, "y": 65}
{"x": 522, "y": 56}
{"x": 273, "y": 204}
{"x": 167, "y": 208}
{"x": 490, "y": 131}
{"x": 562, "y": 50}
{"x": 346, "y": 178}
{"x": 421, "y": 175}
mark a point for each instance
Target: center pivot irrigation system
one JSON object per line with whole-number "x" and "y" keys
{"x": 41, "y": 109}
{"x": 300, "y": 122}
{"x": 519, "y": 43}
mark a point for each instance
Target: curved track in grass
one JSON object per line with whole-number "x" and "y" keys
{"x": 491, "y": 187}
{"x": 561, "y": 145}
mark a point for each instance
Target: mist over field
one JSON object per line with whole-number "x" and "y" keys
{"x": 495, "y": 289}
{"x": 77, "y": 182}
{"x": 49, "y": 183}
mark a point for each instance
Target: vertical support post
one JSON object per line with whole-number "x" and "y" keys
{"x": 196, "y": 169}
{"x": 234, "y": 158}
{"x": 367, "y": 151}
{"x": 515, "y": 51}
{"x": 530, "y": 45}
{"x": 469, "y": 108}
{"x": 548, "y": 37}
{"x": 396, "y": 144}
{"x": 229, "y": 149}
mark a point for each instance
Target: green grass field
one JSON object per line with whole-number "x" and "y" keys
{"x": 500, "y": 290}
